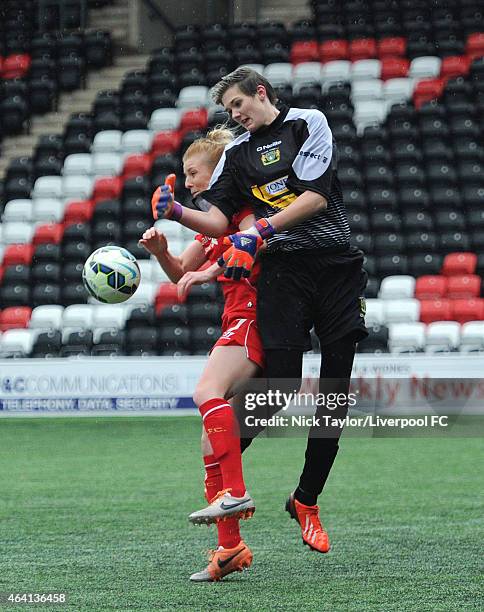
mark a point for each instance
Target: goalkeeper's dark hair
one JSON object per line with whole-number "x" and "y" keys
{"x": 247, "y": 80}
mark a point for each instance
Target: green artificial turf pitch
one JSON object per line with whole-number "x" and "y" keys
{"x": 98, "y": 508}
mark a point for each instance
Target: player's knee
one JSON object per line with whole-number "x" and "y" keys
{"x": 200, "y": 395}
{"x": 204, "y": 391}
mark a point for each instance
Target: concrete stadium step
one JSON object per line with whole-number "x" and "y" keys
{"x": 75, "y": 102}
{"x": 114, "y": 18}
{"x": 286, "y": 11}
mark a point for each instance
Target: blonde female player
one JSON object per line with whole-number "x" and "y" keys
{"x": 235, "y": 357}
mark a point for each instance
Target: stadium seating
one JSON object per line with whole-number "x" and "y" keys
{"x": 404, "y": 101}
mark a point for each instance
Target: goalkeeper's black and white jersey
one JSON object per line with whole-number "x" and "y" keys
{"x": 272, "y": 166}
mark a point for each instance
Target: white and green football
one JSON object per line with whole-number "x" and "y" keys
{"x": 111, "y": 274}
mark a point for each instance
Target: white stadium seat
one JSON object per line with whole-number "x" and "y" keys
{"x": 17, "y": 342}
{"x": 425, "y": 67}
{"x": 107, "y": 141}
{"x": 176, "y": 247}
{"x": 396, "y": 287}
{"x": 371, "y": 112}
{"x": 188, "y": 233}
{"x": 107, "y": 317}
{"x": 279, "y": 73}
{"x": 47, "y": 210}
{"x": 145, "y": 294}
{"x": 443, "y": 335}
{"x": 145, "y": 268}
{"x": 306, "y": 74}
{"x": 77, "y": 164}
{"x": 77, "y": 188}
{"x": 165, "y": 119}
{"x": 158, "y": 275}
{"x": 365, "y": 69}
{"x": 375, "y": 314}
{"x": 106, "y": 164}
{"x": 194, "y": 96}
{"x": 335, "y": 72}
{"x": 19, "y": 210}
{"x": 472, "y": 336}
{"x": 47, "y": 187}
{"x": 401, "y": 311}
{"x": 407, "y": 337}
{"x": 398, "y": 90}
{"x": 17, "y": 233}
{"x": 172, "y": 231}
{"x": 366, "y": 90}
{"x": 47, "y": 317}
{"x": 136, "y": 141}
{"x": 78, "y": 316}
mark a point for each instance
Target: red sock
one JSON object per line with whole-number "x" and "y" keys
{"x": 222, "y": 431}
{"x": 228, "y": 530}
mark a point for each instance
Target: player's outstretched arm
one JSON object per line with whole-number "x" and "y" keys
{"x": 175, "y": 267}
{"x": 211, "y": 223}
{"x": 197, "y": 278}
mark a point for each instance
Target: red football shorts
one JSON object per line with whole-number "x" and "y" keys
{"x": 243, "y": 332}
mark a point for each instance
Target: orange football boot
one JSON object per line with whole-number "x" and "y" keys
{"x": 224, "y": 561}
{"x": 313, "y": 533}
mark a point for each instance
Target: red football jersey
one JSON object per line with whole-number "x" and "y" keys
{"x": 240, "y": 296}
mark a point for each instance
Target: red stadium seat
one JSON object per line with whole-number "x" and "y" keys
{"x": 165, "y": 142}
{"x": 393, "y": 46}
{"x": 435, "y": 310}
{"x": 78, "y": 211}
{"x": 465, "y": 286}
{"x": 430, "y": 287}
{"x": 331, "y": 50}
{"x": 475, "y": 45}
{"x": 394, "y": 68}
{"x": 136, "y": 165}
{"x": 107, "y": 189}
{"x": 193, "y": 120}
{"x": 362, "y": 48}
{"x": 18, "y": 254}
{"x": 454, "y": 66}
{"x": 304, "y": 51}
{"x": 50, "y": 232}
{"x": 464, "y": 311}
{"x": 459, "y": 263}
{"x": 426, "y": 90}
{"x": 15, "y": 317}
{"x": 15, "y": 66}
{"x": 167, "y": 294}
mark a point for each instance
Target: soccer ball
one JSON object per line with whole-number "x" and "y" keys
{"x": 111, "y": 274}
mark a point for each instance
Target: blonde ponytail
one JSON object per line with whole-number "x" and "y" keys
{"x": 211, "y": 145}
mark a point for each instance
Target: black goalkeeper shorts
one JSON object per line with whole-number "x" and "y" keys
{"x": 301, "y": 289}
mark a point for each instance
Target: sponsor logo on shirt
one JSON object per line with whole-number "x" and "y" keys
{"x": 312, "y": 155}
{"x": 276, "y": 187}
{"x": 269, "y": 146}
{"x": 275, "y": 193}
{"x": 270, "y": 157}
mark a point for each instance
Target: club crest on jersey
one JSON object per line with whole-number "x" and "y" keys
{"x": 270, "y": 157}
